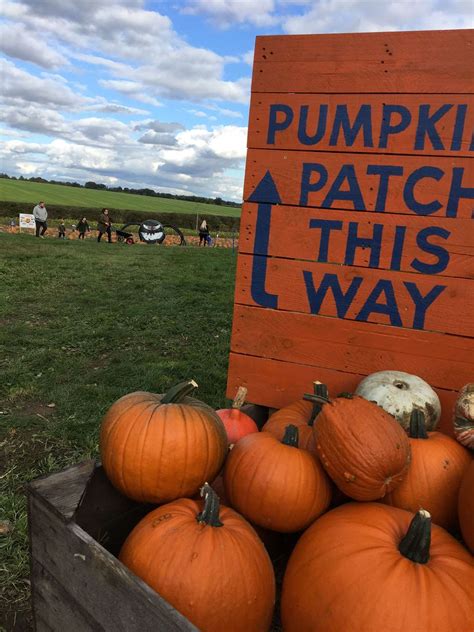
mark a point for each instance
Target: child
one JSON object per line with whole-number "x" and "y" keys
{"x": 62, "y": 230}
{"x": 82, "y": 227}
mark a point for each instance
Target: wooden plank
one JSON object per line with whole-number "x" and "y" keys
{"x": 296, "y": 183}
{"x": 276, "y": 384}
{"x": 55, "y": 608}
{"x": 114, "y": 598}
{"x": 408, "y": 62}
{"x": 294, "y": 284}
{"x": 362, "y": 348}
{"x": 292, "y": 237}
{"x": 64, "y": 490}
{"x": 310, "y": 122}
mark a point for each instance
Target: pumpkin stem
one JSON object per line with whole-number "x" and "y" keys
{"x": 239, "y": 399}
{"x": 318, "y": 397}
{"x": 417, "y": 425}
{"x": 210, "y": 514}
{"x": 178, "y": 392}
{"x": 415, "y": 545}
{"x": 291, "y": 436}
{"x": 320, "y": 390}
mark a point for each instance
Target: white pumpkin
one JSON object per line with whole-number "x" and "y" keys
{"x": 464, "y": 416}
{"x": 399, "y": 393}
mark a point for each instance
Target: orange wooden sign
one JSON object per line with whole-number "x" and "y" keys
{"x": 357, "y": 238}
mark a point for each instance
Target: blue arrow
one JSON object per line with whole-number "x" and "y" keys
{"x": 265, "y": 194}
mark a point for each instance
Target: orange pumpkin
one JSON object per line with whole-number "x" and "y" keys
{"x": 156, "y": 448}
{"x": 210, "y": 565}
{"x": 370, "y": 567}
{"x": 275, "y": 484}
{"x": 466, "y": 507}
{"x": 438, "y": 463}
{"x": 301, "y": 414}
{"x": 236, "y": 423}
{"x": 362, "y": 448}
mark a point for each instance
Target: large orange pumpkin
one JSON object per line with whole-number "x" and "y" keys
{"x": 371, "y": 568}
{"x": 437, "y": 466}
{"x": 210, "y": 565}
{"x": 466, "y": 507}
{"x": 362, "y": 448}
{"x": 301, "y": 414}
{"x": 156, "y": 448}
{"x": 275, "y": 484}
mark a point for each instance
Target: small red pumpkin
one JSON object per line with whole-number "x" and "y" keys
{"x": 466, "y": 507}
{"x": 208, "y": 563}
{"x": 368, "y": 567}
{"x": 156, "y": 448}
{"x": 237, "y": 424}
{"x": 274, "y": 484}
{"x": 362, "y": 448}
{"x": 301, "y": 414}
{"x": 438, "y": 464}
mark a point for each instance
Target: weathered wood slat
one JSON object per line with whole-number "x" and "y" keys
{"x": 291, "y": 237}
{"x": 56, "y": 608}
{"x": 416, "y": 62}
{"x": 287, "y": 170}
{"x": 316, "y": 113}
{"x": 63, "y": 490}
{"x": 276, "y": 384}
{"x": 443, "y": 361}
{"x": 451, "y": 312}
{"x": 115, "y": 598}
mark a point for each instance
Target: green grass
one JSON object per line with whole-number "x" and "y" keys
{"x": 80, "y": 326}
{"x": 32, "y": 192}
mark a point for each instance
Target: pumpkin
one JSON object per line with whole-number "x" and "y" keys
{"x": 438, "y": 464}
{"x": 464, "y": 416}
{"x": 156, "y": 448}
{"x": 466, "y": 507}
{"x": 301, "y": 414}
{"x": 274, "y": 484}
{"x": 362, "y": 448}
{"x": 399, "y": 393}
{"x": 207, "y": 563}
{"x": 236, "y": 423}
{"x": 370, "y": 567}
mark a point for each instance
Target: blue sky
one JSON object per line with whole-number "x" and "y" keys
{"x": 155, "y": 93}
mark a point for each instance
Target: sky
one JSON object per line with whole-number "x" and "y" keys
{"x": 155, "y": 93}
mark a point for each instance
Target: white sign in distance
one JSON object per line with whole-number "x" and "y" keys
{"x": 27, "y": 220}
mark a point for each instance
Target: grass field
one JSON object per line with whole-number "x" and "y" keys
{"x": 82, "y": 325}
{"x": 32, "y": 192}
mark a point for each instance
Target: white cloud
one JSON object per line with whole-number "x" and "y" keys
{"x": 346, "y": 16}
{"x": 17, "y": 41}
{"x": 225, "y": 13}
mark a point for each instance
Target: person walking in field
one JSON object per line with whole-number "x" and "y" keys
{"x": 83, "y": 227}
{"x": 203, "y": 233}
{"x": 62, "y": 230}
{"x": 105, "y": 225}
{"x": 41, "y": 215}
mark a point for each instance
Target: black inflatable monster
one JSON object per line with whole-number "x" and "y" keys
{"x": 151, "y": 231}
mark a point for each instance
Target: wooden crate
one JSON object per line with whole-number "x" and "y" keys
{"x": 78, "y": 522}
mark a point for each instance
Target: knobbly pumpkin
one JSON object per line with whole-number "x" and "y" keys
{"x": 466, "y": 507}
{"x": 237, "y": 424}
{"x": 399, "y": 393}
{"x": 207, "y": 562}
{"x": 301, "y": 414}
{"x": 464, "y": 417}
{"x": 368, "y": 567}
{"x": 438, "y": 464}
{"x": 275, "y": 484}
{"x": 362, "y": 448}
{"x": 156, "y": 448}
